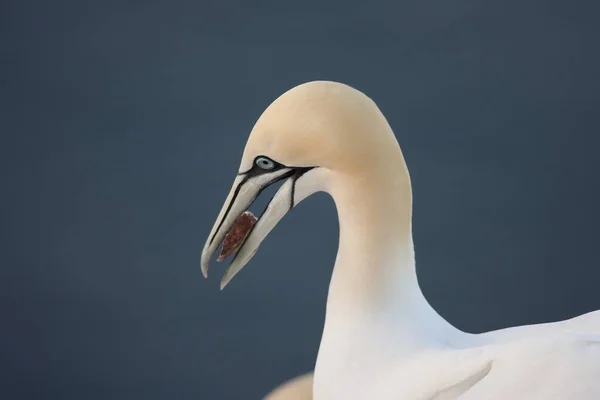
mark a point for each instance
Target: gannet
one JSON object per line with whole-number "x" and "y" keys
{"x": 382, "y": 339}
{"x": 298, "y": 388}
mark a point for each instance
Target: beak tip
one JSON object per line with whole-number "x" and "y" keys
{"x": 226, "y": 279}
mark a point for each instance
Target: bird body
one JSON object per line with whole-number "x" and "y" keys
{"x": 382, "y": 339}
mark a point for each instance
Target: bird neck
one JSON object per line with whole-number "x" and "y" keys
{"x": 374, "y": 281}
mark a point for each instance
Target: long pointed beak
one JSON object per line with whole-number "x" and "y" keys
{"x": 246, "y": 188}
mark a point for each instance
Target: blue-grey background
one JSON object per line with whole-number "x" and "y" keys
{"x": 122, "y": 126}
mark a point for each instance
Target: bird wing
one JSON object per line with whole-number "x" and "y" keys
{"x": 462, "y": 385}
{"x": 557, "y": 367}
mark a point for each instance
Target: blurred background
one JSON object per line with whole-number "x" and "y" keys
{"x": 123, "y": 123}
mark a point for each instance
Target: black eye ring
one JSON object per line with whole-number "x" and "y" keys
{"x": 264, "y": 163}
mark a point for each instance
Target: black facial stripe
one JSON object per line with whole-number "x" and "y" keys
{"x": 297, "y": 175}
{"x": 235, "y": 194}
{"x": 239, "y": 187}
{"x": 284, "y": 176}
{"x": 294, "y": 174}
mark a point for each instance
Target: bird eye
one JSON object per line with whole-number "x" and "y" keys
{"x": 264, "y": 163}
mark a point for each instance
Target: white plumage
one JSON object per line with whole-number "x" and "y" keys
{"x": 382, "y": 340}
